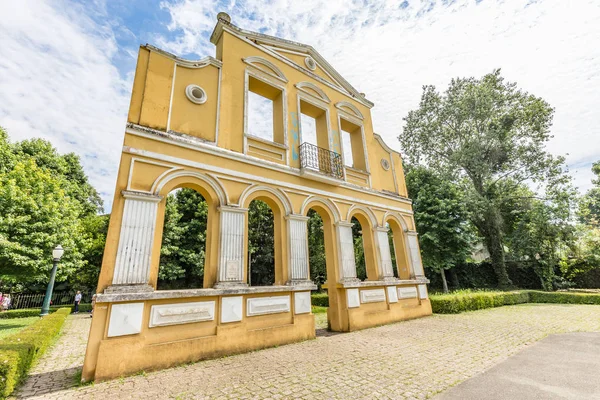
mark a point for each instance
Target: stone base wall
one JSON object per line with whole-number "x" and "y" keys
{"x": 379, "y": 305}
{"x": 142, "y": 335}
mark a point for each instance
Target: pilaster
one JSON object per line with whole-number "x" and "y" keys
{"x": 384, "y": 255}
{"x": 298, "y": 250}
{"x": 132, "y": 265}
{"x": 231, "y": 249}
{"x": 415, "y": 254}
{"x": 346, "y": 252}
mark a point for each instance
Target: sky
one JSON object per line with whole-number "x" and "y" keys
{"x": 66, "y": 67}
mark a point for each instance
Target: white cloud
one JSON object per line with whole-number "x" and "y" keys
{"x": 389, "y": 49}
{"x": 57, "y": 82}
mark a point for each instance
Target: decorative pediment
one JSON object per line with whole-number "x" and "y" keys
{"x": 349, "y": 108}
{"x": 265, "y": 66}
{"x": 303, "y": 57}
{"x": 312, "y": 90}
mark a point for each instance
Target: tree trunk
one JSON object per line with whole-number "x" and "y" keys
{"x": 493, "y": 239}
{"x": 444, "y": 282}
{"x": 454, "y": 278}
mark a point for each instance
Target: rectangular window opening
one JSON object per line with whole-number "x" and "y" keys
{"x": 264, "y": 111}
{"x": 353, "y": 146}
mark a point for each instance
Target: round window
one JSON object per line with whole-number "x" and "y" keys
{"x": 385, "y": 164}
{"x": 195, "y": 94}
{"x": 310, "y": 63}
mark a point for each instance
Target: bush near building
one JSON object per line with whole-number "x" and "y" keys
{"x": 34, "y": 312}
{"x": 19, "y": 351}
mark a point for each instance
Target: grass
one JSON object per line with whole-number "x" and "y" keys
{"x": 12, "y": 326}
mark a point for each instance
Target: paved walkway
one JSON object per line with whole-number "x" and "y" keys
{"x": 409, "y": 360}
{"x": 560, "y": 367}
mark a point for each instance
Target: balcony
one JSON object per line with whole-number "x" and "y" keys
{"x": 320, "y": 164}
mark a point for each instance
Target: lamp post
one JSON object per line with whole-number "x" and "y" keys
{"x": 56, "y": 255}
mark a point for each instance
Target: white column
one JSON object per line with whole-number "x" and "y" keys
{"x": 415, "y": 254}
{"x": 231, "y": 248}
{"x": 346, "y": 252}
{"x": 132, "y": 266}
{"x": 298, "y": 249}
{"x": 384, "y": 255}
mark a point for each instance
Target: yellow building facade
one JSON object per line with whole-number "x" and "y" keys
{"x": 191, "y": 124}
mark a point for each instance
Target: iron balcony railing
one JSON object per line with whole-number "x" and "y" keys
{"x": 321, "y": 160}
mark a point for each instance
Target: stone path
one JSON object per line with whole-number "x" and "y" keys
{"x": 409, "y": 360}
{"x": 60, "y": 367}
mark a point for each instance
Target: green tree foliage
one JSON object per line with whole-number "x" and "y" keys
{"x": 441, "y": 219}
{"x": 36, "y": 214}
{"x": 316, "y": 248}
{"x": 182, "y": 254}
{"x": 359, "y": 250}
{"x": 539, "y": 232}
{"x": 45, "y": 198}
{"x": 483, "y": 133}
{"x": 261, "y": 244}
{"x": 589, "y": 210}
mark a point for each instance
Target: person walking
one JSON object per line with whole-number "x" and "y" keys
{"x": 77, "y": 301}
{"x": 93, "y": 305}
{"x": 6, "y": 302}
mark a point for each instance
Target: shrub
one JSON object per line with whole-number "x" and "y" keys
{"x": 34, "y": 312}
{"x": 564, "y": 297}
{"x": 469, "y": 301}
{"x": 18, "y": 351}
{"x": 320, "y": 299}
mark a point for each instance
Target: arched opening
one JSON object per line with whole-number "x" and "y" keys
{"x": 267, "y": 239}
{"x": 364, "y": 247}
{"x": 390, "y": 235}
{"x": 359, "y": 249}
{"x": 398, "y": 249}
{"x": 184, "y": 241}
{"x": 322, "y": 264}
{"x": 261, "y": 244}
{"x": 316, "y": 249}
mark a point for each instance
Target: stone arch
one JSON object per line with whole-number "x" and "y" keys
{"x": 367, "y": 212}
{"x": 281, "y": 207}
{"x": 398, "y": 218}
{"x": 205, "y": 184}
{"x": 326, "y": 204}
{"x": 286, "y": 204}
{"x": 214, "y": 194}
{"x": 399, "y": 228}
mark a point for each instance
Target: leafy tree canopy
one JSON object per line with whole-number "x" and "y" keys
{"x": 487, "y": 135}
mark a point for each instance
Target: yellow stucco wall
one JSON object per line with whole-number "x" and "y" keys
{"x": 172, "y": 142}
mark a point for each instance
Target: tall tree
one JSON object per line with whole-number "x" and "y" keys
{"x": 441, "y": 219}
{"x": 36, "y": 214}
{"x": 486, "y": 131}
{"x": 589, "y": 210}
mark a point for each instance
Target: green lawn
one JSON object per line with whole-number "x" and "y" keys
{"x": 14, "y": 325}
{"x": 320, "y": 317}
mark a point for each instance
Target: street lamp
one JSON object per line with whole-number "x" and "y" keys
{"x": 57, "y": 253}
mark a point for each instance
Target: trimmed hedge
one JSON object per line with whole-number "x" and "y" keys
{"x": 19, "y": 351}
{"x": 454, "y": 303}
{"x": 469, "y": 301}
{"x": 34, "y": 312}
{"x": 320, "y": 299}
{"x": 564, "y": 297}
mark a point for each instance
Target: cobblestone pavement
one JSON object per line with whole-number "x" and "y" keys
{"x": 60, "y": 367}
{"x": 408, "y": 360}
